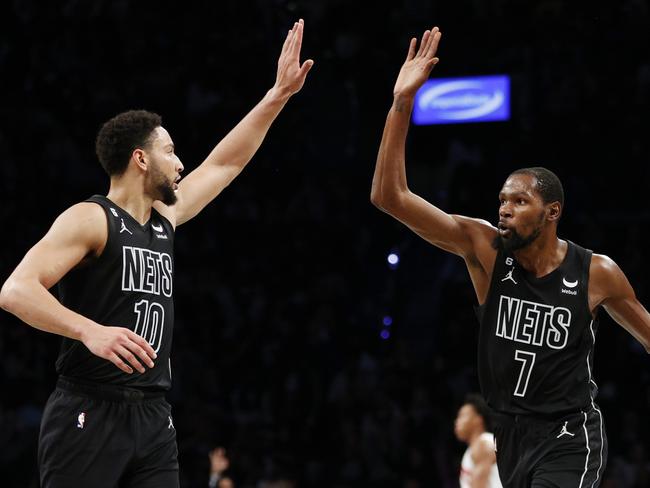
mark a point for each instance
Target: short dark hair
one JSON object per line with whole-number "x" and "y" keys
{"x": 121, "y": 135}
{"x": 481, "y": 407}
{"x": 548, "y": 185}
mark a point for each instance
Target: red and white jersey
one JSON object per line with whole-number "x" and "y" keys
{"x": 467, "y": 466}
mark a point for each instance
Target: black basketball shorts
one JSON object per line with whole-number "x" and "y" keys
{"x": 102, "y": 436}
{"x": 568, "y": 452}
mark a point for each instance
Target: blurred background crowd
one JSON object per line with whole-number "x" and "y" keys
{"x": 297, "y": 346}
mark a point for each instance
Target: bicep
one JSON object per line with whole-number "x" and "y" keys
{"x": 630, "y": 314}
{"x": 619, "y": 300}
{"x": 200, "y": 187}
{"x": 74, "y": 235}
{"x": 460, "y": 235}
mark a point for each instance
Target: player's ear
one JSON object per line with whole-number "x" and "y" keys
{"x": 138, "y": 157}
{"x": 554, "y": 211}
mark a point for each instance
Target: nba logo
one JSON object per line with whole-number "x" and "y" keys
{"x": 80, "y": 420}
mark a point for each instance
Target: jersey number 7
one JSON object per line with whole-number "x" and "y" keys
{"x": 527, "y": 360}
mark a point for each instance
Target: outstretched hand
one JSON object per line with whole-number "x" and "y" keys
{"x": 291, "y": 74}
{"x": 418, "y": 65}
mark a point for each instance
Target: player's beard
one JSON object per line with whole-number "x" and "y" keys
{"x": 161, "y": 187}
{"x": 516, "y": 241}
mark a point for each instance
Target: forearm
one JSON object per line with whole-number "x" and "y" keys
{"x": 33, "y": 304}
{"x": 242, "y": 142}
{"x": 389, "y": 180}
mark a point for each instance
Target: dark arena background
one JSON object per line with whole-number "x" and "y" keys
{"x": 297, "y": 346}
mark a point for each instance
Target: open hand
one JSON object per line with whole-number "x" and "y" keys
{"x": 291, "y": 75}
{"x": 418, "y": 65}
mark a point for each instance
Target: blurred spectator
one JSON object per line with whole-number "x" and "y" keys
{"x": 218, "y": 465}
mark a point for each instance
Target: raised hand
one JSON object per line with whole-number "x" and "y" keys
{"x": 291, "y": 74}
{"x": 418, "y": 65}
{"x": 120, "y": 346}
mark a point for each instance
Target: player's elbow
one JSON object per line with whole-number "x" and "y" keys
{"x": 8, "y": 295}
{"x": 376, "y": 199}
{"x": 387, "y": 201}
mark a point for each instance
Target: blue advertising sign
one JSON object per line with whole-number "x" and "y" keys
{"x": 460, "y": 100}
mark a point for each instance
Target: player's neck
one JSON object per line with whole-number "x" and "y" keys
{"x": 474, "y": 436}
{"x": 128, "y": 195}
{"x": 542, "y": 256}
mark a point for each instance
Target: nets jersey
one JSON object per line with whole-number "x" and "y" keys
{"x": 467, "y": 466}
{"x": 536, "y": 338}
{"x": 129, "y": 285}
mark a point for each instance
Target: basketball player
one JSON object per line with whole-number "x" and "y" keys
{"x": 538, "y": 297}
{"x": 107, "y": 423}
{"x": 478, "y": 468}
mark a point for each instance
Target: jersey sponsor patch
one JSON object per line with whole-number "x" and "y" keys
{"x": 569, "y": 284}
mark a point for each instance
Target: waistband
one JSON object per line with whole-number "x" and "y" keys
{"x": 504, "y": 418}
{"x": 111, "y": 393}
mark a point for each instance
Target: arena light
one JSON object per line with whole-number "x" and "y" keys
{"x": 462, "y": 100}
{"x": 393, "y": 260}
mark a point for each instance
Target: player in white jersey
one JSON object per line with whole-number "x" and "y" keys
{"x": 478, "y": 468}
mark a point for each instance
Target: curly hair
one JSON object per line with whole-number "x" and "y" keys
{"x": 121, "y": 135}
{"x": 481, "y": 407}
{"x": 548, "y": 184}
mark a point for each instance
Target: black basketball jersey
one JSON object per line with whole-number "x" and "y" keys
{"x": 537, "y": 335}
{"x": 129, "y": 285}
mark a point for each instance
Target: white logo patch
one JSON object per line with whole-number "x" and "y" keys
{"x": 81, "y": 419}
{"x": 157, "y": 228}
{"x": 509, "y": 276}
{"x": 123, "y": 228}
{"x": 569, "y": 284}
{"x": 564, "y": 431}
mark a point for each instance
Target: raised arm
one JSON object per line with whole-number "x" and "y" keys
{"x": 609, "y": 287}
{"x": 79, "y": 233}
{"x": 464, "y": 236}
{"x": 235, "y": 150}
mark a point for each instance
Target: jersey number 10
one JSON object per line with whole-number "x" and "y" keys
{"x": 150, "y": 322}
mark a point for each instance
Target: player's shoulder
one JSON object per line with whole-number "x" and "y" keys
{"x": 484, "y": 446}
{"x": 482, "y": 235}
{"x": 476, "y": 225}
{"x": 473, "y": 222}
{"x": 605, "y": 275}
{"x": 602, "y": 265}
{"x": 83, "y": 220}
